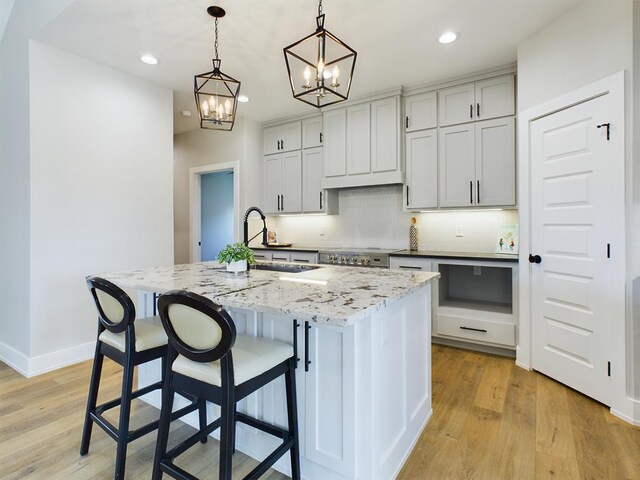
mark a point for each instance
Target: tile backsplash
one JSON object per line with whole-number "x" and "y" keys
{"x": 373, "y": 217}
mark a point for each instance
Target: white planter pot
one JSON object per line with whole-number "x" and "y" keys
{"x": 237, "y": 267}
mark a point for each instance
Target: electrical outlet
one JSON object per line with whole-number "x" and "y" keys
{"x": 477, "y": 270}
{"x": 459, "y": 231}
{"x": 322, "y": 232}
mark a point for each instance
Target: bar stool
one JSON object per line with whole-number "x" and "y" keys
{"x": 206, "y": 358}
{"x": 129, "y": 342}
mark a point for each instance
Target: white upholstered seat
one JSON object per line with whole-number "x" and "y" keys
{"x": 149, "y": 334}
{"x": 252, "y": 356}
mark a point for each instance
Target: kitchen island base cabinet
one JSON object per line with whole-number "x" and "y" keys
{"x": 364, "y": 391}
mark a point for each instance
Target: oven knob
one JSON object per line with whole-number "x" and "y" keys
{"x": 366, "y": 260}
{"x": 332, "y": 258}
{"x": 352, "y": 261}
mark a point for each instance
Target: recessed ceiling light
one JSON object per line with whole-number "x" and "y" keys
{"x": 448, "y": 37}
{"x": 243, "y": 98}
{"x": 149, "y": 59}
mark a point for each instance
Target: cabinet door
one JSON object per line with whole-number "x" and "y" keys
{"x": 272, "y": 186}
{"x": 359, "y": 139}
{"x": 270, "y": 140}
{"x": 335, "y": 143}
{"x": 290, "y": 137}
{"x": 495, "y": 97}
{"x": 495, "y": 162}
{"x": 312, "y": 192}
{"x": 456, "y": 166}
{"x": 384, "y": 135}
{"x": 312, "y": 132}
{"x": 330, "y": 400}
{"x": 291, "y": 200}
{"x": 421, "y": 111}
{"x": 456, "y": 105}
{"x": 422, "y": 169}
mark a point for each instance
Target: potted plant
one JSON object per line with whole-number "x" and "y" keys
{"x": 237, "y": 257}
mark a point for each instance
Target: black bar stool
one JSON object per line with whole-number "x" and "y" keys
{"x": 129, "y": 342}
{"x": 207, "y": 359}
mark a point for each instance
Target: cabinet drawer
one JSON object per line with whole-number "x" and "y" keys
{"x": 410, "y": 263}
{"x": 262, "y": 255}
{"x": 485, "y": 331}
{"x": 280, "y": 257}
{"x": 304, "y": 257}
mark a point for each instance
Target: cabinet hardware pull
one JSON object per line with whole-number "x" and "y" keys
{"x": 282, "y": 202}
{"x": 295, "y": 342}
{"x": 471, "y": 192}
{"x": 535, "y": 258}
{"x": 278, "y": 196}
{"x": 278, "y": 144}
{"x": 471, "y": 111}
{"x": 474, "y": 329}
{"x": 320, "y": 137}
{"x": 608, "y": 250}
{"x": 478, "y": 110}
{"x": 407, "y": 195}
{"x": 409, "y": 267}
{"x": 282, "y": 259}
{"x": 282, "y": 143}
{"x": 478, "y": 192}
{"x": 406, "y": 122}
{"x": 301, "y": 260}
{"x": 307, "y": 362}
{"x": 608, "y": 125}
{"x": 320, "y": 200}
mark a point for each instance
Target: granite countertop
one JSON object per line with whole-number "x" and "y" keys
{"x": 332, "y": 295}
{"x": 503, "y": 257}
{"x": 292, "y": 248}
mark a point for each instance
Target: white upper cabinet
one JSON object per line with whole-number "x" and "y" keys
{"x": 282, "y": 138}
{"x": 476, "y": 164}
{"x": 282, "y": 183}
{"x": 481, "y": 100}
{"x": 359, "y": 139}
{"x": 456, "y": 104}
{"x": 384, "y": 137}
{"x": 312, "y": 132}
{"x": 422, "y": 169}
{"x": 456, "y": 166}
{"x": 335, "y": 143}
{"x": 495, "y": 162}
{"x": 421, "y": 111}
{"x": 495, "y": 97}
{"x": 362, "y": 145}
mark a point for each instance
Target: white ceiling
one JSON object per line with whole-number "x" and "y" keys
{"x": 396, "y": 41}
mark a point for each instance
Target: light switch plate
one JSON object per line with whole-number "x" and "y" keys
{"x": 459, "y": 231}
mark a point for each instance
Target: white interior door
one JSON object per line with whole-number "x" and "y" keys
{"x": 574, "y": 216}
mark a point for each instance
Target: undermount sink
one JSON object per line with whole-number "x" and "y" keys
{"x": 283, "y": 268}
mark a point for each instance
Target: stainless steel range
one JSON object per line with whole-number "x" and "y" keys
{"x": 356, "y": 257}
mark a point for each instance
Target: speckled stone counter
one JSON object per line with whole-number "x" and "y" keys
{"x": 333, "y": 295}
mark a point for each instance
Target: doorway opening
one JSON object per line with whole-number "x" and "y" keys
{"x": 213, "y": 209}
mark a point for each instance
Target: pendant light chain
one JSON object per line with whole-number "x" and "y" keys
{"x": 320, "y": 8}
{"x": 215, "y": 44}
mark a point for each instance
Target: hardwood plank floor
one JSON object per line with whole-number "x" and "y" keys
{"x": 491, "y": 420}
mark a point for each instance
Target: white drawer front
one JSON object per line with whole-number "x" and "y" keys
{"x": 473, "y": 329}
{"x": 410, "y": 263}
{"x": 262, "y": 255}
{"x": 304, "y": 257}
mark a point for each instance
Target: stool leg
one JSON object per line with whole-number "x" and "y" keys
{"x": 292, "y": 414}
{"x": 226, "y": 434}
{"x": 233, "y": 429}
{"x": 163, "y": 427}
{"x": 94, "y": 385}
{"x": 202, "y": 412}
{"x": 125, "y": 411}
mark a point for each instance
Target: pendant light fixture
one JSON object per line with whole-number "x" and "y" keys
{"x": 320, "y": 66}
{"x": 216, "y": 93}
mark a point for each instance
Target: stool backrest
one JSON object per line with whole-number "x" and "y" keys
{"x": 197, "y": 328}
{"x": 115, "y": 308}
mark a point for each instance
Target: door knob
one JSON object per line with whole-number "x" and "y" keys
{"x": 535, "y": 258}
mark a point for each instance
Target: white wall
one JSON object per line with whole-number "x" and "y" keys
{"x": 26, "y": 18}
{"x": 373, "y": 217}
{"x": 590, "y": 41}
{"x": 205, "y": 147}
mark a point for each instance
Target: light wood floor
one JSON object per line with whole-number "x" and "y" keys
{"x": 491, "y": 420}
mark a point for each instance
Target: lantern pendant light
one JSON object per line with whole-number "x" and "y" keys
{"x": 320, "y": 66}
{"x": 216, "y": 93}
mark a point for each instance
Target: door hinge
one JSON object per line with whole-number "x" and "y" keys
{"x": 609, "y": 369}
{"x": 608, "y": 250}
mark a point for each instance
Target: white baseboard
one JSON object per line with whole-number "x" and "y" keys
{"x": 15, "y": 359}
{"x": 32, "y": 366}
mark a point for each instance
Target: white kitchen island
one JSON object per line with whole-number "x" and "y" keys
{"x": 363, "y": 344}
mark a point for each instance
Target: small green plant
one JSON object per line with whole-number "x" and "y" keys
{"x": 236, "y": 252}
